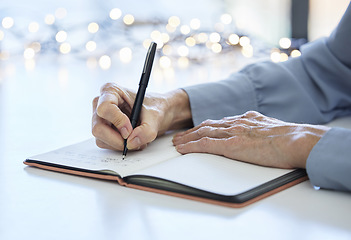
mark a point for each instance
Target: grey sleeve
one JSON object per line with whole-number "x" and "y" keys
{"x": 313, "y": 88}
{"x": 329, "y": 163}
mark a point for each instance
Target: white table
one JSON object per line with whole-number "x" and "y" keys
{"x": 51, "y": 107}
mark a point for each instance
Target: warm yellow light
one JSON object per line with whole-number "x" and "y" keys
{"x": 185, "y": 29}
{"x": 244, "y": 41}
{"x": 202, "y": 37}
{"x": 174, "y": 21}
{"x": 60, "y": 13}
{"x": 61, "y": 36}
{"x": 170, "y": 28}
{"x": 285, "y": 43}
{"x": 115, "y": 13}
{"x": 275, "y": 56}
{"x": 90, "y": 46}
{"x": 165, "y": 62}
{"x": 165, "y": 37}
{"x": 215, "y": 37}
{"x": 29, "y": 53}
{"x": 128, "y": 19}
{"x": 233, "y": 39}
{"x": 190, "y": 41}
{"x": 216, "y": 48}
{"x": 91, "y": 63}
{"x": 49, "y": 19}
{"x": 226, "y": 18}
{"x": 35, "y": 46}
{"x": 105, "y": 62}
{"x": 125, "y": 55}
{"x": 33, "y": 27}
{"x": 183, "y": 51}
{"x": 8, "y": 22}
{"x": 295, "y": 53}
{"x": 2, "y": 35}
{"x": 247, "y": 51}
{"x": 146, "y": 43}
{"x": 155, "y": 35}
{"x": 167, "y": 49}
{"x": 195, "y": 23}
{"x": 183, "y": 62}
{"x": 65, "y": 48}
{"x": 93, "y": 27}
{"x": 29, "y": 64}
{"x": 284, "y": 57}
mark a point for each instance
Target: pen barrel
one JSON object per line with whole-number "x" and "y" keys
{"x": 138, "y": 103}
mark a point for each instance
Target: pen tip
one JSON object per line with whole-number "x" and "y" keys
{"x": 123, "y": 156}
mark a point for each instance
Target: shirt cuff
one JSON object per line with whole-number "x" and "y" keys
{"x": 329, "y": 163}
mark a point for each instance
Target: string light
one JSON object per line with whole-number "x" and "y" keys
{"x": 60, "y": 13}
{"x": 115, "y": 13}
{"x": 65, "y": 48}
{"x": 185, "y": 29}
{"x": 49, "y": 19}
{"x": 8, "y": 22}
{"x": 215, "y": 37}
{"x": 226, "y": 18}
{"x": 174, "y": 21}
{"x": 33, "y": 27}
{"x": 233, "y": 39}
{"x": 188, "y": 44}
{"x": 128, "y": 19}
{"x": 61, "y": 36}
{"x": 93, "y": 27}
{"x": 125, "y": 55}
{"x": 195, "y": 23}
{"x": 105, "y": 62}
{"x": 295, "y": 53}
{"x": 165, "y": 62}
{"x": 285, "y": 43}
{"x": 29, "y": 53}
{"x": 90, "y": 46}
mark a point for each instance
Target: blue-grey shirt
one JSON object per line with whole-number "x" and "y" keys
{"x": 313, "y": 88}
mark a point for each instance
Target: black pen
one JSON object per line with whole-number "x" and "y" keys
{"x": 134, "y": 117}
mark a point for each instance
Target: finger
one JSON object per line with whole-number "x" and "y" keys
{"x": 211, "y": 123}
{"x": 108, "y": 108}
{"x": 103, "y": 132}
{"x": 205, "y": 131}
{"x": 141, "y": 135}
{"x": 203, "y": 145}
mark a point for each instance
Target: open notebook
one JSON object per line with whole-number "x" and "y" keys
{"x": 160, "y": 168}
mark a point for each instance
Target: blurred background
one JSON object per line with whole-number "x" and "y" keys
{"x": 55, "y": 55}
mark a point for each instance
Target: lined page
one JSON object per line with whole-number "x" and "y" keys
{"x": 87, "y": 155}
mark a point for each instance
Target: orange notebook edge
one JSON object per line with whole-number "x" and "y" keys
{"x": 165, "y": 192}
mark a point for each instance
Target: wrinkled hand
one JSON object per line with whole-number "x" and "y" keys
{"x": 111, "y": 111}
{"x": 254, "y": 138}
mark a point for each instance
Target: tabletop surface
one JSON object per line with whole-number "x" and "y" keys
{"x": 48, "y": 107}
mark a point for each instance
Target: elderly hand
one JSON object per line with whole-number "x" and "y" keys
{"x": 160, "y": 112}
{"x": 254, "y": 138}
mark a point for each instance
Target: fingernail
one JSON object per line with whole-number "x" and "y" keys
{"x": 180, "y": 147}
{"x": 124, "y": 132}
{"x": 135, "y": 143}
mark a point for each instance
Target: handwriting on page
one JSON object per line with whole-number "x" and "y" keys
{"x": 102, "y": 161}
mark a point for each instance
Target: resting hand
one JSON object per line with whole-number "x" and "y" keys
{"x": 253, "y": 137}
{"x": 111, "y": 110}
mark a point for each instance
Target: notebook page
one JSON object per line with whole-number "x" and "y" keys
{"x": 87, "y": 155}
{"x": 213, "y": 173}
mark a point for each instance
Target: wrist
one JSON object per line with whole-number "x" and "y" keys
{"x": 178, "y": 110}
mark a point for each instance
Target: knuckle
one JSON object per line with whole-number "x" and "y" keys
{"x": 204, "y": 142}
{"x": 251, "y": 114}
